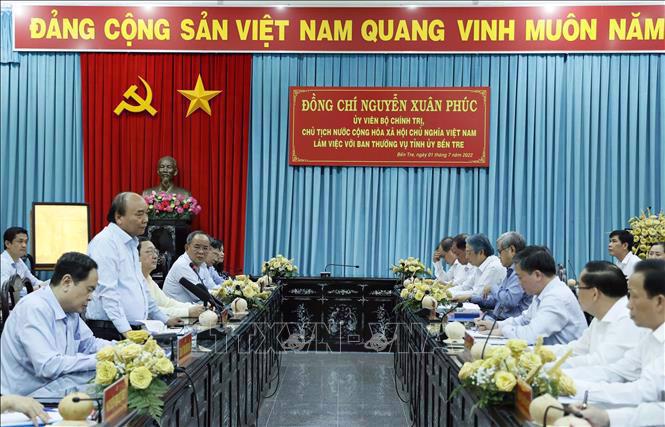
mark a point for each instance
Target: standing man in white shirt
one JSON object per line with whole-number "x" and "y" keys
{"x": 16, "y": 246}
{"x": 554, "y": 312}
{"x": 444, "y": 253}
{"x": 620, "y": 247}
{"x": 639, "y": 376}
{"x": 189, "y": 265}
{"x": 122, "y": 296}
{"x": 489, "y": 272}
{"x": 602, "y": 294}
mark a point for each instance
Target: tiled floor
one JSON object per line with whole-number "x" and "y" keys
{"x": 335, "y": 389}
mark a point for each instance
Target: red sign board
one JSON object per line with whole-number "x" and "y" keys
{"x": 389, "y": 126}
{"x": 115, "y": 402}
{"x": 472, "y": 29}
{"x": 184, "y": 349}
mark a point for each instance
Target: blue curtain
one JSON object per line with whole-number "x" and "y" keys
{"x": 41, "y": 150}
{"x": 576, "y": 148}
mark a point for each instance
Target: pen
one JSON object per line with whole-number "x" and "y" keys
{"x": 586, "y": 398}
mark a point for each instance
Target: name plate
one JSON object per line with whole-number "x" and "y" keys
{"x": 184, "y": 349}
{"x": 523, "y": 397}
{"x": 468, "y": 341}
{"x": 114, "y": 407}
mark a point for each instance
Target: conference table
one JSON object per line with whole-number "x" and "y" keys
{"x": 242, "y": 366}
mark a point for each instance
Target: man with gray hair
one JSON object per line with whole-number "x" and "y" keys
{"x": 191, "y": 266}
{"x": 507, "y": 298}
{"x": 490, "y": 272}
{"x": 122, "y": 299}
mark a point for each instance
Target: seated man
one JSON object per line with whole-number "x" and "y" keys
{"x": 639, "y": 375}
{"x": 554, "y": 312}
{"x": 602, "y": 294}
{"x": 44, "y": 337}
{"x": 189, "y": 265}
{"x": 642, "y": 415}
{"x": 173, "y": 308}
{"x": 122, "y": 299}
{"x": 489, "y": 271}
{"x": 16, "y": 246}
{"x": 508, "y": 298}
{"x": 466, "y": 270}
{"x": 212, "y": 259}
{"x": 620, "y": 246}
{"x": 443, "y": 253}
{"x": 657, "y": 251}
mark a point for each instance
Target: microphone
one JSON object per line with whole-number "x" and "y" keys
{"x": 572, "y": 270}
{"x": 326, "y": 273}
{"x": 450, "y": 310}
{"x": 489, "y": 334}
{"x": 201, "y": 293}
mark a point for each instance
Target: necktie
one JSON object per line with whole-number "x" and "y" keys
{"x": 509, "y": 271}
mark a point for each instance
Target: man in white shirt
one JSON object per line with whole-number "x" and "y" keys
{"x": 189, "y": 266}
{"x": 465, "y": 269}
{"x": 620, "y": 246}
{"x": 16, "y": 246}
{"x": 148, "y": 255}
{"x": 489, "y": 272}
{"x": 639, "y": 376}
{"x": 444, "y": 253}
{"x": 554, "y": 312}
{"x": 602, "y": 294}
{"x": 122, "y": 296}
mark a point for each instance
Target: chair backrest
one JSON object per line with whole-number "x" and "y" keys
{"x": 29, "y": 260}
{"x": 9, "y": 295}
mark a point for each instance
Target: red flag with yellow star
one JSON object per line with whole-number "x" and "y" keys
{"x": 140, "y": 107}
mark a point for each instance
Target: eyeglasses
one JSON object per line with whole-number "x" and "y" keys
{"x": 201, "y": 248}
{"x": 584, "y": 287}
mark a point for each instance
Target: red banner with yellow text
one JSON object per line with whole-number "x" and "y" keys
{"x": 413, "y": 127}
{"x": 499, "y": 29}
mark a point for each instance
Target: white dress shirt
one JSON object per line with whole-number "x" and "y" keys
{"x": 645, "y": 414}
{"x": 9, "y": 267}
{"x": 170, "y": 306}
{"x": 204, "y": 272}
{"x": 40, "y": 342}
{"x": 555, "y": 315}
{"x": 627, "y": 265}
{"x": 636, "y": 378}
{"x": 606, "y": 339}
{"x": 122, "y": 295}
{"x": 490, "y": 273}
{"x": 449, "y": 276}
{"x": 181, "y": 268}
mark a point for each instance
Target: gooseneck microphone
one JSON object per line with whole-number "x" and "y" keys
{"x": 489, "y": 334}
{"x": 326, "y": 273}
{"x": 201, "y": 293}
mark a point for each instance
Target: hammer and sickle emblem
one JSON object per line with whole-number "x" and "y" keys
{"x": 142, "y": 104}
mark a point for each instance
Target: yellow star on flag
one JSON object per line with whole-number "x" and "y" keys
{"x": 199, "y": 97}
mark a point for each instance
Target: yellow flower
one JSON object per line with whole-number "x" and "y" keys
{"x": 546, "y": 355}
{"x": 419, "y": 295}
{"x": 106, "y": 372}
{"x": 140, "y": 378}
{"x": 498, "y": 353}
{"x": 516, "y": 346}
{"x": 468, "y": 369}
{"x": 131, "y": 352}
{"x": 163, "y": 366}
{"x": 241, "y": 277}
{"x": 404, "y": 293}
{"x": 529, "y": 361}
{"x": 106, "y": 353}
{"x": 566, "y": 385}
{"x": 264, "y": 295}
{"x": 505, "y": 381}
{"x": 138, "y": 337}
{"x": 249, "y": 292}
{"x": 221, "y": 293}
{"x": 150, "y": 346}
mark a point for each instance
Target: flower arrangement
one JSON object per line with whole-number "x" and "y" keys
{"x": 242, "y": 287}
{"x": 279, "y": 266}
{"x": 171, "y": 205}
{"x": 415, "y": 290}
{"x": 494, "y": 376}
{"x": 647, "y": 229}
{"x": 140, "y": 358}
{"x": 410, "y": 267}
